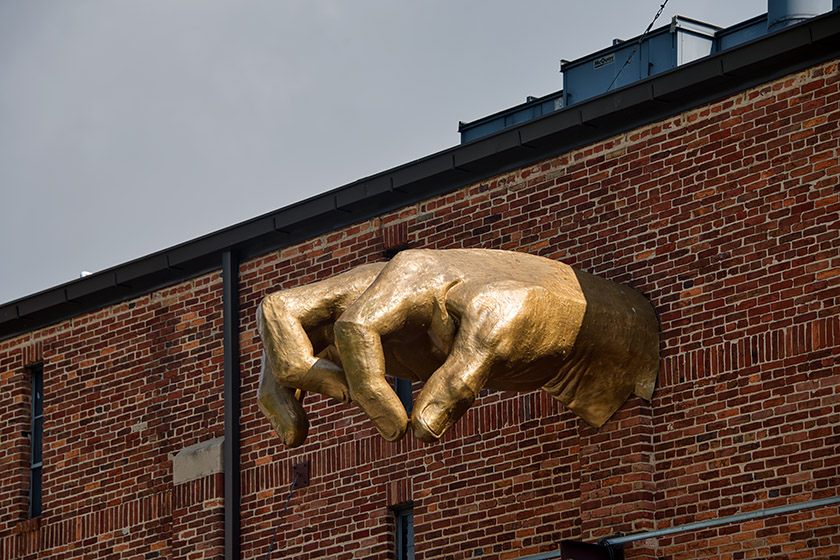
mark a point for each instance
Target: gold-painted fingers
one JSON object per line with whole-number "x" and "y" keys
{"x": 282, "y": 407}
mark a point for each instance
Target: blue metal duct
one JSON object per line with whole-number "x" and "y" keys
{"x": 662, "y": 49}
{"x": 748, "y": 30}
{"x": 534, "y": 107}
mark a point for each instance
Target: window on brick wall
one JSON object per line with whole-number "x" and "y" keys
{"x": 36, "y": 439}
{"x": 404, "y": 518}
{"x": 402, "y": 387}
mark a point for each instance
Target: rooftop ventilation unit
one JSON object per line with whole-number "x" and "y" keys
{"x": 626, "y": 62}
{"x": 630, "y": 61}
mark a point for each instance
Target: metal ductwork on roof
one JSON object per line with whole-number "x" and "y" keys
{"x": 626, "y": 62}
{"x": 782, "y": 13}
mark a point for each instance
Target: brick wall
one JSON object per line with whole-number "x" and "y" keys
{"x": 726, "y": 217}
{"x": 124, "y": 389}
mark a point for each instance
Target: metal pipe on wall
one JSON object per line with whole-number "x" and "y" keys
{"x": 723, "y": 520}
{"x": 230, "y": 313}
{"x": 739, "y": 518}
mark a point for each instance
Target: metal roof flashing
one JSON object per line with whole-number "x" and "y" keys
{"x": 713, "y": 77}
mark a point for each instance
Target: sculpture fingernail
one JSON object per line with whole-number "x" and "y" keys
{"x": 432, "y": 422}
{"x": 422, "y": 430}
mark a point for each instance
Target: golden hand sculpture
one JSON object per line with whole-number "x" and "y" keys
{"x": 458, "y": 320}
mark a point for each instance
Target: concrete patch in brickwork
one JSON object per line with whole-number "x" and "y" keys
{"x": 198, "y": 461}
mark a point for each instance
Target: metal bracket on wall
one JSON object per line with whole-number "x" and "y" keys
{"x": 300, "y": 474}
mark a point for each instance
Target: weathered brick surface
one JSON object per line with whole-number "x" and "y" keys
{"x": 125, "y": 388}
{"x": 726, "y": 217}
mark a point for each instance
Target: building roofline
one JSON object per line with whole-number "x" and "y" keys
{"x": 688, "y": 86}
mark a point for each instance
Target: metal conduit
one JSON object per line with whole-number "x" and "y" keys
{"x": 700, "y": 525}
{"x": 722, "y": 521}
{"x": 230, "y": 313}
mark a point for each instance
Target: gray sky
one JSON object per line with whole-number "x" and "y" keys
{"x": 130, "y": 126}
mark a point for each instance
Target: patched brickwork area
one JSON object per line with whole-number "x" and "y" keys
{"x": 727, "y": 217}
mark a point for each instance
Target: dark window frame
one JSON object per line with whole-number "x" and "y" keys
{"x": 404, "y": 531}
{"x": 36, "y": 439}
{"x": 404, "y": 389}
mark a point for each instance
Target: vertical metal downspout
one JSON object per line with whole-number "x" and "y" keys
{"x": 230, "y": 304}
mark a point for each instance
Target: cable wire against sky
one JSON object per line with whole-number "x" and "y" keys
{"x": 639, "y": 42}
